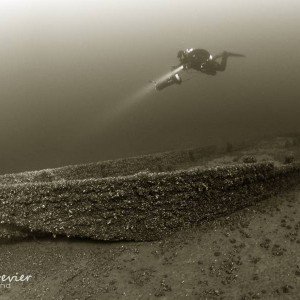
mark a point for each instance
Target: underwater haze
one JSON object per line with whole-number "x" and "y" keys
{"x": 74, "y": 77}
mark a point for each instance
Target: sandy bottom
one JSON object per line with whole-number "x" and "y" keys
{"x": 252, "y": 254}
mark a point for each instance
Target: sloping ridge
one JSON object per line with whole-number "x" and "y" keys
{"x": 139, "y": 207}
{"x": 158, "y": 162}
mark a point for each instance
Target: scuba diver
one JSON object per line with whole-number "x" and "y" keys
{"x": 198, "y": 59}
{"x": 201, "y": 60}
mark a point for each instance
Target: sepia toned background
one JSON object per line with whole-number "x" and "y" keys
{"x": 65, "y": 65}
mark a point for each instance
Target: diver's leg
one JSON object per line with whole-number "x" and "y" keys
{"x": 222, "y": 65}
{"x": 217, "y": 56}
{"x": 224, "y": 56}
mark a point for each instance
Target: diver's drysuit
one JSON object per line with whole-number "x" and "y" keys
{"x": 201, "y": 60}
{"x": 211, "y": 66}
